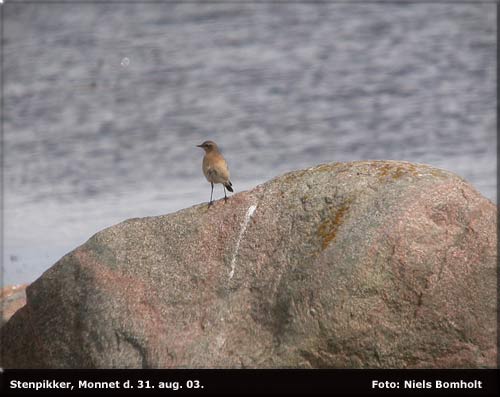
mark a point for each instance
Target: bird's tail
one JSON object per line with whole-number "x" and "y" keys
{"x": 229, "y": 186}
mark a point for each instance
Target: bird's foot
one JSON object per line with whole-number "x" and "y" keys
{"x": 225, "y": 199}
{"x": 209, "y": 204}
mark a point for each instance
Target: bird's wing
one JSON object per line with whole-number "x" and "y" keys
{"x": 211, "y": 172}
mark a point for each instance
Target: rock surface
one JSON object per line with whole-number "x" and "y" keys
{"x": 375, "y": 264}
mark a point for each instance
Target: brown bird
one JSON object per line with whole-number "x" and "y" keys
{"x": 215, "y": 168}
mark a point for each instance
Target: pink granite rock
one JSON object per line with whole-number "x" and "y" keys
{"x": 12, "y": 298}
{"x": 375, "y": 264}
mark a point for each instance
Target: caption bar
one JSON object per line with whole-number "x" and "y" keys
{"x": 255, "y": 382}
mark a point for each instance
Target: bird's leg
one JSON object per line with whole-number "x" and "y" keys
{"x": 225, "y": 197}
{"x": 211, "y": 193}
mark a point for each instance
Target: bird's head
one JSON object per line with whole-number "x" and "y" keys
{"x": 208, "y": 146}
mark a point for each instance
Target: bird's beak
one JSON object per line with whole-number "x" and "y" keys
{"x": 199, "y": 145}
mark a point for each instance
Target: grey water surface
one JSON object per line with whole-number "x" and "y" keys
{"x": 104, "y": 104}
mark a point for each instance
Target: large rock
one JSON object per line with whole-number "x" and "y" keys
{"x": 365, "y": 264}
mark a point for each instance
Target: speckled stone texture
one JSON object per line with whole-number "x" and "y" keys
{"x": 374, "y": 264}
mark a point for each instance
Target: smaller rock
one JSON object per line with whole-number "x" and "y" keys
{"x": 12, "y": 298}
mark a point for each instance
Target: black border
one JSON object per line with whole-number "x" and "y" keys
{"x": 244, "y": 381}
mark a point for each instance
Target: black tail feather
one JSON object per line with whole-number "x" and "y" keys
{"x": 229, "y": 186}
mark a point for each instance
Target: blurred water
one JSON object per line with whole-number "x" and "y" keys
{"x": 104, "y": 104}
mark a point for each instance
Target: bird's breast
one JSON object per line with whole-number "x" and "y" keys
{"x": 215, "y": 168}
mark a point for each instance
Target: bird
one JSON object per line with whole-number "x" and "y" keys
{"x": 215, "y": 168}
